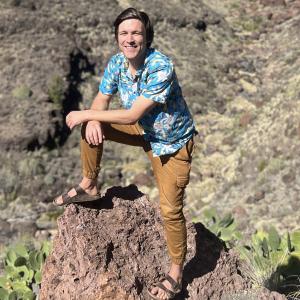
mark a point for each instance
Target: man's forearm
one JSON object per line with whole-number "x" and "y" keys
{"x": 120, "y": 116}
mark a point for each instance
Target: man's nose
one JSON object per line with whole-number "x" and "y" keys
{"x": 130, "y": 39}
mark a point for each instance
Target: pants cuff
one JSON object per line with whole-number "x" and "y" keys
{"x": 177, "y": 261}
{"x": 90, "y": 175}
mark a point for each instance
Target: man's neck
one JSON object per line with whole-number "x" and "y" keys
{"x": 134, "y": 65}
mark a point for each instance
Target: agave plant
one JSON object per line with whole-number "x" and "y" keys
{"x": 273, "y": 261}
{"x": 224, "y": 228}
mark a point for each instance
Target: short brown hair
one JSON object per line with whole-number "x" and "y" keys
{"x": 132, "y": 13}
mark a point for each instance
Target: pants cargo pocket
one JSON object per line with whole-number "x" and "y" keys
{"x": 182, "y": 181}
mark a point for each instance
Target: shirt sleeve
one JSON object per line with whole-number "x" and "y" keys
{"x": 158, "y": 83}
{"x": 109, "y": 82}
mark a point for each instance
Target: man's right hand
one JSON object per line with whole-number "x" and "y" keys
{"x": 93, "y": 133}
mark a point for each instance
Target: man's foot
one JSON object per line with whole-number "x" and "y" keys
{"x": 166, "y": 289}
{"x": 78, "y": 194}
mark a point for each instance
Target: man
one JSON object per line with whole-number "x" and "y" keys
{"x": 155, "y": 117}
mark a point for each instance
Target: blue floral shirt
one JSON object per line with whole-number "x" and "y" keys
{"x": 169, "y": 125}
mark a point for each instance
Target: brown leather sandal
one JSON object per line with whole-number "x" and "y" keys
{"x": 81, "y": 196}
{"x": 176, "y": 288}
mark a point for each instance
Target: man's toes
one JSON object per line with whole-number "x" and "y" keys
{"x": 58, "y": 200}
{"x": 161, "y": 294}
{"x": 154, "y": 291}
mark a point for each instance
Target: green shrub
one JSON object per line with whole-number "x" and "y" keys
{"x": 22, "y": 92}
{"x": 223, "y": 227}
{"x": 22, "y": 272}
{"x": 56, "y": 91}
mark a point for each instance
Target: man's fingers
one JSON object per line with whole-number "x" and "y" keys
{"x": 99, "y": 134}
{"x": 92, "y": 138}
{"x": 95, "y": 137}
{"x": 94, "y": 134}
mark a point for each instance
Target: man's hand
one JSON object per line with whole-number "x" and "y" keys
{"x": 93, "y": 133}
{"x": 75, "y": 118}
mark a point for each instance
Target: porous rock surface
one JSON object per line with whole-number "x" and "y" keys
{"x": 115, "y": 248}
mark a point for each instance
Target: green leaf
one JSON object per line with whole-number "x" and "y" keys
{"x": 11, "y": 257}
{"x": 40, "y": 258}
{"x": 38, "y": 277}
{"x": 237, "y": 235}
{"x": 274, "y": 239}
{"x": 3, "y": 294}
{"x": 4, "y": 282}
{"x": 11, "y": 272}
{"x": 289, "y": 243}
{"x": 214, "y": 229}
{"x": 34, "y": 262}
{"x": 260, "y": 235}
{"x": 21, "y": 250}
{"x": 265, "y": 248}
{"x": 24, "y": 273}
{"x": 226, "y": 221}
{"x": 20, "y": 287}
{"x": 295, "y": 239}
{"x": 244, "y": 252}
{"x": 46, "y": 247}
{"x": 210, "y": 213}
{"x": 13, "y": 296}
{"x": 29, "y": 295}
{"x": 226, "y": 234}
{"x": 259, "y": 262}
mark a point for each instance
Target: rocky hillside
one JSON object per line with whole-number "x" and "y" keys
{"x": 238, "y": 63}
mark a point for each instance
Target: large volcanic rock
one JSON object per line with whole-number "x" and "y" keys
{"x": 115, "y": 249}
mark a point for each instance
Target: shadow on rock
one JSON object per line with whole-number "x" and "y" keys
{"x": 207, "y": 253}
{"x": 129, "y": 192}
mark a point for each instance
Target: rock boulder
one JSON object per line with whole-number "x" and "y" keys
{"x": 115, "y": 248}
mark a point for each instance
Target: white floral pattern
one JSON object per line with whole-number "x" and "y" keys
{"x": 169, "y": 125}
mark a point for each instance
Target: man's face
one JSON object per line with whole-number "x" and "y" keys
{"x": 132, "y": 40}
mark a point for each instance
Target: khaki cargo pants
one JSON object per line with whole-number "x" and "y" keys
{"x": 171, "y": 173}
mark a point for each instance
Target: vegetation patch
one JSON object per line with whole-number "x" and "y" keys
{"x": 269, "y": 259}
{"x": 56, "y": 91}
{"x": 22, "y": 273}
{"x": 22, "y": 92}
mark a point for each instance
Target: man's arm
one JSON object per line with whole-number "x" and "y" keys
{"x": 93, "y": 132}
{"x": 123, "y": 116}
{"x": 119, "y": 116}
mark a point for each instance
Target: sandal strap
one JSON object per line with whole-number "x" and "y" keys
{"x": 176, "y": 286}
{"x": 79, "y": 190}
{"x": 170, "y": 293}
{"x": 66, "y": 198}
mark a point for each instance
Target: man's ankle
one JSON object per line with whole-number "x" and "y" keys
{"x": 88, "y": 184}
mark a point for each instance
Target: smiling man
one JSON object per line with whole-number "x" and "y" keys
{"x": 154, "y": 117}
